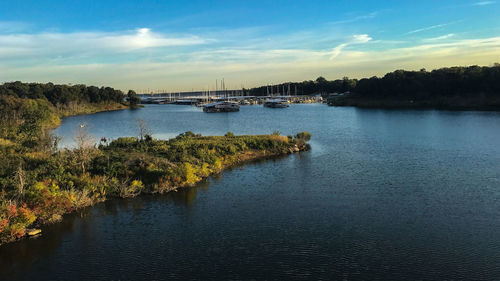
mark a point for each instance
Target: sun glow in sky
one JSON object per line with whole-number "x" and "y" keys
{"x": 185, "y": 45}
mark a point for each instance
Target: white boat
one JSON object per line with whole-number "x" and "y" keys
{"x": 224, "y": 106}
{"x": 276, "y": 103}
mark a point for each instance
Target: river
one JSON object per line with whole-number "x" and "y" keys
{"x": 382, "y": 195}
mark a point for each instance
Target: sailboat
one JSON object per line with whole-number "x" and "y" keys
{"x": 223, "y": 106}
{"x": 276, "y": 103}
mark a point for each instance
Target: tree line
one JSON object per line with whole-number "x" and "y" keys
{"x": 309, "y": 87}
{"x": 451, "y": 87}
{"x": 61, "y": 94}
{"x": 27, "y": 110}
{"x": 448, "y": 82}
{"x": 472, "y": 87}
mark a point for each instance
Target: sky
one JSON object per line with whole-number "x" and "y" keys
{"x": 171, "y": 46}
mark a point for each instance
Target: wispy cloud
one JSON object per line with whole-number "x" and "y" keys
{"x": 360, "y": 38}
{"x": 431, "y": 27}
{"x": 356, "y": 39}
{"x": 439, "y": 38}
{"x": 252, "y": 67}
{"x": 62, "y": 44}
{"x": 483, "y": 3}
{"x": 356, "y": 18}
{"x": 143, "y": 58}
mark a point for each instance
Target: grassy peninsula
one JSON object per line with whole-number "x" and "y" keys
{"x": 39, "y": 182}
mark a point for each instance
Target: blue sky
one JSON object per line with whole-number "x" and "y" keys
{"x": 174, "y": 46}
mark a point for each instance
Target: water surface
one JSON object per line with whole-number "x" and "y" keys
{"x": 383, "y": 194}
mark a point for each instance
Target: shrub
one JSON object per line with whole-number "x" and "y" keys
{"x": 190, "y": 176}
{"x": 48, "y": 202}
{"x": 131, "y": 190}
{"x": 14, "y": 220}
{"x": 305, "y": 136}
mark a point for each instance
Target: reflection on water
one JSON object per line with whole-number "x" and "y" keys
{"x": 187, "y": 196}
{"x": 19, "y": 256}
{"x": 383, "y": 195}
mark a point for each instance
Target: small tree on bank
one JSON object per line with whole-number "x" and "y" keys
{"x": 85, "y": 146}
{"x": 133, "y": 99}
{"x": 143, "y": 129}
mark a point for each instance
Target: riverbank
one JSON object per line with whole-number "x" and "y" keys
{"x": 62, "y": 111}
{"x": 75, "y": 109}
{"x": 440, "y": 104}
{"x": 47, "y": 185}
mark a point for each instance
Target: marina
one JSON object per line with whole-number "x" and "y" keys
{"x": 200, "y": 100}
{"x": 271, "y": 96}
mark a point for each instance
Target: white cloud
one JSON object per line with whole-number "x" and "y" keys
{"x": 484, "y": 3}
{"x": 252, "y": 67}
{"x": 337, "y": 50}
{"x": 439, "y": 38}
{"x": 361, "y": 38}
{"x": 144, "y": 38}
{"x": 356, "y": 18}
{"x": 62, "y": 44}
{"x": 431, "y": 27}
{"x": 141, "y": 59}
{"x": 356, "y": 39}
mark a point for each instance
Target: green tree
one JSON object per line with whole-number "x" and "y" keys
{"x": 133, "y": 99}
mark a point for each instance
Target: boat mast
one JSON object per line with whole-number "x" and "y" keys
{"x": 224, "y": 88}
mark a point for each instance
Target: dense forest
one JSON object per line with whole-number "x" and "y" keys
{"x": 27, "y": 110}
{"x": 61, "y": 94}
{"x": 472, "y": 87}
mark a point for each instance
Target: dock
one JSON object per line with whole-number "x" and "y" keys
{"x": 200, "y": 98}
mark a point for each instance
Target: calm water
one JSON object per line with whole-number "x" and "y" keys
{"x": 382, "y": 195}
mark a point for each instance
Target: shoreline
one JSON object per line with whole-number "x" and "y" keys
{"x": 96, "y": 108}
{"x": 450, "y": 104}
{"x": 390, "y": 107}
{"x": 259, "y": 157}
